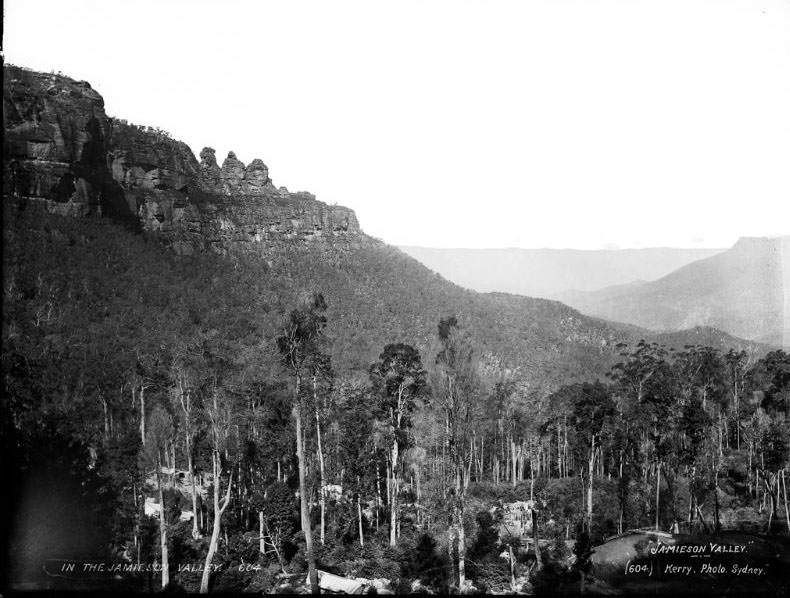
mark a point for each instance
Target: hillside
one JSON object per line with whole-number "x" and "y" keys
{"x": 289, "y": 243}
{"x": 376, "y": 295}
{"x": 741, "y": 291}
{"x": 546, "y": 272}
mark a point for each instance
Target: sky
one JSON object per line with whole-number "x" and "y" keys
{"x": 581, "y": 124}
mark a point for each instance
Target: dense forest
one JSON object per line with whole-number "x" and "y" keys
{"x": 229, "y": 423}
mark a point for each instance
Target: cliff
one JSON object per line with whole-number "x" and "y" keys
{"x": 63, "y": 151}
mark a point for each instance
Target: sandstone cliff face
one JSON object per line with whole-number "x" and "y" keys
{"x": 62, "y": 149}
{"x": 153, "y": 171}
{"x": 262, "y": 223}
{"x": 56, "y": 132}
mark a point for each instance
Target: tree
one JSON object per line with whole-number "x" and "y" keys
{"x": 298, "y": 345}
{"x": 457, "y": 387}
{"x": 219, "y": 417}
{"x": 183, "y": 395}
{"x": 357, "y": 454}
{"x": 159, "y": 434}
{"x": 701, "y": 383}
{"x": 276, "y": 515}
{"x": 321, "y": 375}
{"x": 737, "y": 367}
{"x": 591, "y": 412}
{"x": 647, "y": 387}
{"x": 693, "y": 426}
{"x": 398, "y": 380}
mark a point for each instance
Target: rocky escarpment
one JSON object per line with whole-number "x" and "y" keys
{"x": 56, "y": 140}
{"x": 61, "y": 149}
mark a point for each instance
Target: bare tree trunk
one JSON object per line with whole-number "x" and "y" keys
{"x": 757, "y": 490}
{"x": 218, "y": 511}
{"x": 419, "y": 497}
{"x": 305, "y": 513}
{"x": 565, "y": 445}
{"x": 378, "y": 495}
{"x": 461, "y": 544}
{"x": 716, "y": 501}
{"x": 444, "y": 454}
{"x": 784, "y": 492}
{"x": 590, "y": 473}
{"x": 388, "y": 481}
{"x": 468, "y": 476}
{"x": 142, "y": 412}
{"x": 623, "y": 491}
{"x": 513, "y": 462}
{"x": 393, "y": 499}
{"x": 187, "y": 409}
{"x": 195, "y": 528}
{"x": 173, "y": 461}
{"x": 359, "y": 517}
{"x": 658, "y": 488}
{"x": 559, "y": 450}
{"x": 322, "y": 480}
{"x": 106, "y": 420}
{"x": 261, "y": 542}
{"x": 162, "y": 525}
{"x": 450, "y": 545}
{"x": 531, "y": 475}
{"x": 772, "y": 490}
{"x": 482, "y": 457}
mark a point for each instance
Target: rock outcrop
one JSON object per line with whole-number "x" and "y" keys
{"x": 233, "y": 178}
{"x": 55, "y": 144}
{"x": 63, "y": 150}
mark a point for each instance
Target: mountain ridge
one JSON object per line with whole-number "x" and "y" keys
{"x": 545, "y": 272}
{"x": 742, "y": 291}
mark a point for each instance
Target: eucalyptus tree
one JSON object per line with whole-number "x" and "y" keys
{"x": 299, "y": 346}
{"x": 219, "y": 414}
{"x": 646, "y": 386}
{"x": 159, "y": 434}
{"x": 185, "y": 398}
{"x": 592, "y": 412}
{"x": 737, "y": 365}
{"x": 398, "y": 380}
{"x": 457, "y": 388}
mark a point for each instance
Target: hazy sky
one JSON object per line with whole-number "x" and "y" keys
{"x": 488, "y": 123}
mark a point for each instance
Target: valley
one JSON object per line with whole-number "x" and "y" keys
{"x": 220, "y": 385}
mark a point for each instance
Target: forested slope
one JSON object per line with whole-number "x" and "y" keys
{"x": 112, "y": 288}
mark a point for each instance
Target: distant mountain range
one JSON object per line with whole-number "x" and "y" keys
{"x": 743, "y": 291}
{"x": 547, "y": 272}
